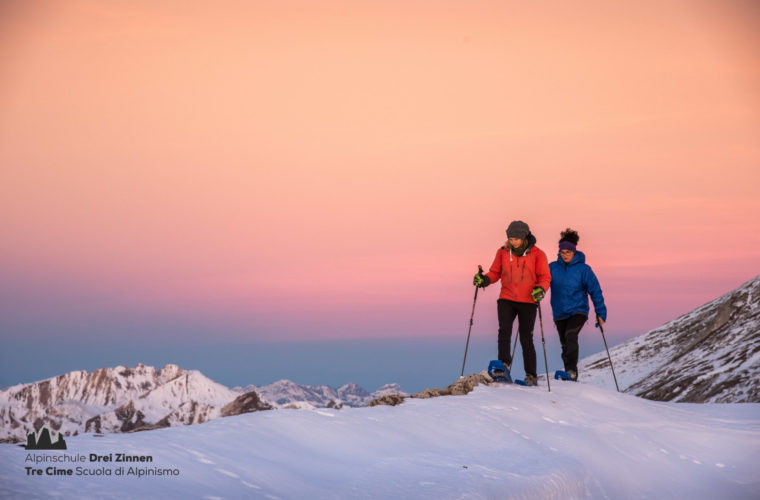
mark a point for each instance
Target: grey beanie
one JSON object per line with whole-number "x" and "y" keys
{"x": 518, "y": 229}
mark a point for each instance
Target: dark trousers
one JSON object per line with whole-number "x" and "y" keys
{"x": 526, "y": 318}
{"x": 568, "y": 329}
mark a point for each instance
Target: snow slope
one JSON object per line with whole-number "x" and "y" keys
{"x": 711, "y": 354}
{"x": 579, "y": 441}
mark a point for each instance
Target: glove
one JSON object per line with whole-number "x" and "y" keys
{"x": 481, "y": 280}
{"x": 537, "y": 294}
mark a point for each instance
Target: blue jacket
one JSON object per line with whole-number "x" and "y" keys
{"x": 571, "y": 285}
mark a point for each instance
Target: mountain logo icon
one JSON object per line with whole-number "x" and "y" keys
{"x": 45, "y": 439}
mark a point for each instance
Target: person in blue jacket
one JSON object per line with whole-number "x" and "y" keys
{"x": 572, "y": 283}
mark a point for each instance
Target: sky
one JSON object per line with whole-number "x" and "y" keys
{"x": 293, "y": 171}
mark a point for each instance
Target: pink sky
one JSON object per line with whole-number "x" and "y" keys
{"x": 338, "y": 169}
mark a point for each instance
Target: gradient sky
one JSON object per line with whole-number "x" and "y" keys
{"x": 298, "y": 170}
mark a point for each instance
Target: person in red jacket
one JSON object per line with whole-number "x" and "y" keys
{"x": 524, "y": 272}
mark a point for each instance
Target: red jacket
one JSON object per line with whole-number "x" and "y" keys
{"x": 519, "y": 275}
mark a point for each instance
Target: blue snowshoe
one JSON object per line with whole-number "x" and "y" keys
{"x": 498, "y": 372}
{"x": 566, "y": 375}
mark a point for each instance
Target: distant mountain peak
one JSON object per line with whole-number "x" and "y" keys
{"x": 286, "y": 393}
{"x": 115, "y": 399}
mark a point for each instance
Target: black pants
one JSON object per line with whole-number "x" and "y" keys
{"x": 526, "y": 319}
{"x": 568, "y": 329}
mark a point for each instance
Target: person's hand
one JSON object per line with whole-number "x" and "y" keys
{"x": 599, "y": 322}
{"x": 480, "y": 279}
{"x": 538, "y": 294}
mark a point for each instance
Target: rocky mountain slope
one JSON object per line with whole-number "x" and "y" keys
{"x": 116, "y": 399}
{"x": 123, "y": 399}
{"x": 711, "y": 354}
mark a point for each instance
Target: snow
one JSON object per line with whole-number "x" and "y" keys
{"x": 579, "y": 441}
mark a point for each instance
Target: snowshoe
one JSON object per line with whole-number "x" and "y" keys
{"x": 531, "y": 380}
{"x": 520, "y": 382}
{"x": 566, "y": 375}
{"x": 499, "y": 372}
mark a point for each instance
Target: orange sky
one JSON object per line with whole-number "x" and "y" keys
{"x": 320, "y": 169}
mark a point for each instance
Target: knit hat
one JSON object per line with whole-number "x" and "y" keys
{"x": 518, "y": 229}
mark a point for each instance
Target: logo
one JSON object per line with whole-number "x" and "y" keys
{"x": 45, "y": 439}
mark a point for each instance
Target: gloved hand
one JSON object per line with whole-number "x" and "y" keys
{"x": 481, "y": 280}
{"x": 537, "y": 294}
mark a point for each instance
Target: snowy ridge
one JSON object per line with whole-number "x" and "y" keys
{"x": 711, "y": 354}
{"x": 579, "y": 441}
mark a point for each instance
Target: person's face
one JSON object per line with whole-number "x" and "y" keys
{"x": 566, "y": 255}
{"x": 516, "y": 242}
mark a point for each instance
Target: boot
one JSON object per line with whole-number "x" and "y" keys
{"x": 531, "y": 380}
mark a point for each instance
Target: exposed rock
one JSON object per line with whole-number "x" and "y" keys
{"x": 93, "y": 424}
{"x": 130, "y": 418}
{"x": 334, "y": 405}
{"x": 388, "y": 400}
{"x": 458, "y": 388}
{"x": 245, "y": 403}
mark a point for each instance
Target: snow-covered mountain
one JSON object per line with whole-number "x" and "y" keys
{"x": 288, "y": 394}
{"x": 125, "y": 399}
{"x": 116, "y": 399}
{"x": 711, "y": 354}
{"x": 577, "y": 441}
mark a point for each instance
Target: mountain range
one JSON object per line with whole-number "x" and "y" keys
{"x": 122, "y": 399}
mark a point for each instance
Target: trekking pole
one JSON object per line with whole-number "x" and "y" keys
{"x": 601, "y": 329}
{"x": 472, "y": 315}
{"x": 514, "y": 347}
{"x": 543, "y": 342}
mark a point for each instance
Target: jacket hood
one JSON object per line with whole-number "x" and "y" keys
{"x": 578, "y": 258}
